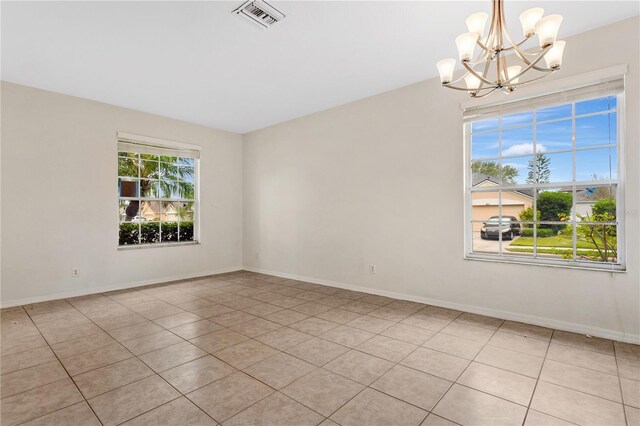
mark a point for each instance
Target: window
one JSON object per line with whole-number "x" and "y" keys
{"x": 543, "y": 181}
{"x": 157, "y": 195}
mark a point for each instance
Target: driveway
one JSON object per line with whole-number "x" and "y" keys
{"x": 489, "y": 246}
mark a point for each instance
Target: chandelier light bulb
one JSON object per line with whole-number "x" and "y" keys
{"x": 472, "y": 82}
{"x": 529, "y": 18}
{"x": 547, "y": 29}
{"x": 445, "y": 68}
{"x": 476, "y": 23}
{"x": 553, "y": 58}
{"x": 466, "y": 43}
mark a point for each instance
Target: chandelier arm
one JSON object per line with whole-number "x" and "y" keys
{"x": 532, "y": 65}
{"x": 513, "y": 45}
{"x": 484, "y": 73}
{"x": 476, "y": 96}
{"x": 458, "y": 79}
{"x": 522, "y": 83}
{"x": 476, "y": 75}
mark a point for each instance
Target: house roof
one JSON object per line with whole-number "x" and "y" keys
{"x": 478, "y": 178}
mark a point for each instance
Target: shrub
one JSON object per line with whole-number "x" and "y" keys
{"x": 186, "y": 231}
{"x": 553, "y": 206}
{"x": 169, "y": 231}
{"x": 128, "y": 233}
{"x": 542, "y": 232}
{"x": 149, "y": 232}
{"x": 603, "y": 206}
{"x": 526, "y": 215}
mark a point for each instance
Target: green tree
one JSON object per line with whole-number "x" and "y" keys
{"x": 491, "y": 168}
{"x": 539, "y": 169}
{"x": 171, "y": 172}
{"x": 553, "y": 207}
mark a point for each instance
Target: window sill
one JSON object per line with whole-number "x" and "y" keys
{"x": 160, "y": 245}
{"x": 614, "y": 268}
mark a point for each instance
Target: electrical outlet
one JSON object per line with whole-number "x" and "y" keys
{"x": 75, "y": 272}
{"x": 372, "y": 269}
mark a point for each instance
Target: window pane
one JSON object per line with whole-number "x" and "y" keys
{"x": 186, "y": 231}
{"x": 149, "y": 169}
{"x": 515, "y": 119}
{"x": 186, "y": 173}
{"x": 169, "y": 211}
{"x": 149, "y": 188}
{"x": 127, "y": 167}
{"x": 485, "y": 145}
{"x": 517, "y": 141}
{"x": 555, "y": 167}
{"x": 596, "y": 203}
{"x": 168, "y": 171}
{"x": 596, "y": 164}
{"x": 517, "y": 167}
{"x": 149, "y": 157}
{"x": 596, "y": 105}
{"x": 598, "y": 242}
{"x": 169, "y": 232}
{"x": 554, "y": 136}
{"x": 522, "y": 243}
{"x": 128, "y": 187}
{"x": 596, "y": 130}
{"x": 489, "y": 173}
{"x": 552, "y": 113}
{"x": 128, "y": 210}
{"x": 150, "y": 232}
{"x": 554, "y": 205}
{"x": 150, "y": 211}
{"x": 168, "y": 159}
{"x": 490, "y": 124}
{"x": 129, "y": 233}
{"x": 555, "y": 240}
{"x": 186, "y": 212}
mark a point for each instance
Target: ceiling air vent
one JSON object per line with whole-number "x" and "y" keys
{"x": 259, "y": 12}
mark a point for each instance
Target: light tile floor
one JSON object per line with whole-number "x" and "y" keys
{"x": 251, "y": 349}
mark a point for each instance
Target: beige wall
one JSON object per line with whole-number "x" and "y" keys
{"x": 380, "y": 182}
{"x": 59, "y": 205}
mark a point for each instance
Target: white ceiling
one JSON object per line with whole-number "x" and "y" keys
{"x": 197, "y": 62}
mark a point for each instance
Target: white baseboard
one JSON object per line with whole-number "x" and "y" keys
{"x": 96, "y": 290}
{"x": 496, "y": 313}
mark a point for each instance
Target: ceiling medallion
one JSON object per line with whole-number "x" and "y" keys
{"x": 490, "y": 70}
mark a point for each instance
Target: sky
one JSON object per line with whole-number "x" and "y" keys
{"x": 595, "y": 124}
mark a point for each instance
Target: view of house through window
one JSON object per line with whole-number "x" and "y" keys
{"x": 543, "y": 182}
{"x": 157, "y": 190}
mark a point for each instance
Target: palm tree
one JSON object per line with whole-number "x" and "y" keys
{"x": 160, "y": 176}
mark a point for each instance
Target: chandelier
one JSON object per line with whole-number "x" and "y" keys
{"x": 490, "y": 70}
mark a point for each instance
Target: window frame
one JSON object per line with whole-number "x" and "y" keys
{"x": 501, "y": 257}
{"x": 147, "y": 142}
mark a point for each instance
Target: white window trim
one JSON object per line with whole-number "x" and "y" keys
{"x": 620, "y": 267}
{"x": 164, "y": 143}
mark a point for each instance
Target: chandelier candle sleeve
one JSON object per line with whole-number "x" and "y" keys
{"x": 503, "y": 62}
{"x": 445, "y": 68}
{"x": 547, "y": 29}
{"x": 554, "y": 57}
{"x": 466, "y": 43}
{"x": 476, "y": 23}
{"x": 529, "y": 18}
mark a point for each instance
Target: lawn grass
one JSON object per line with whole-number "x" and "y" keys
{"x": 559, "y": 241}
{"x": 559, "y": 251}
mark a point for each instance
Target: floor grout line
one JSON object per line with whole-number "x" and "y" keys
{"x": 199, "y": 282}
